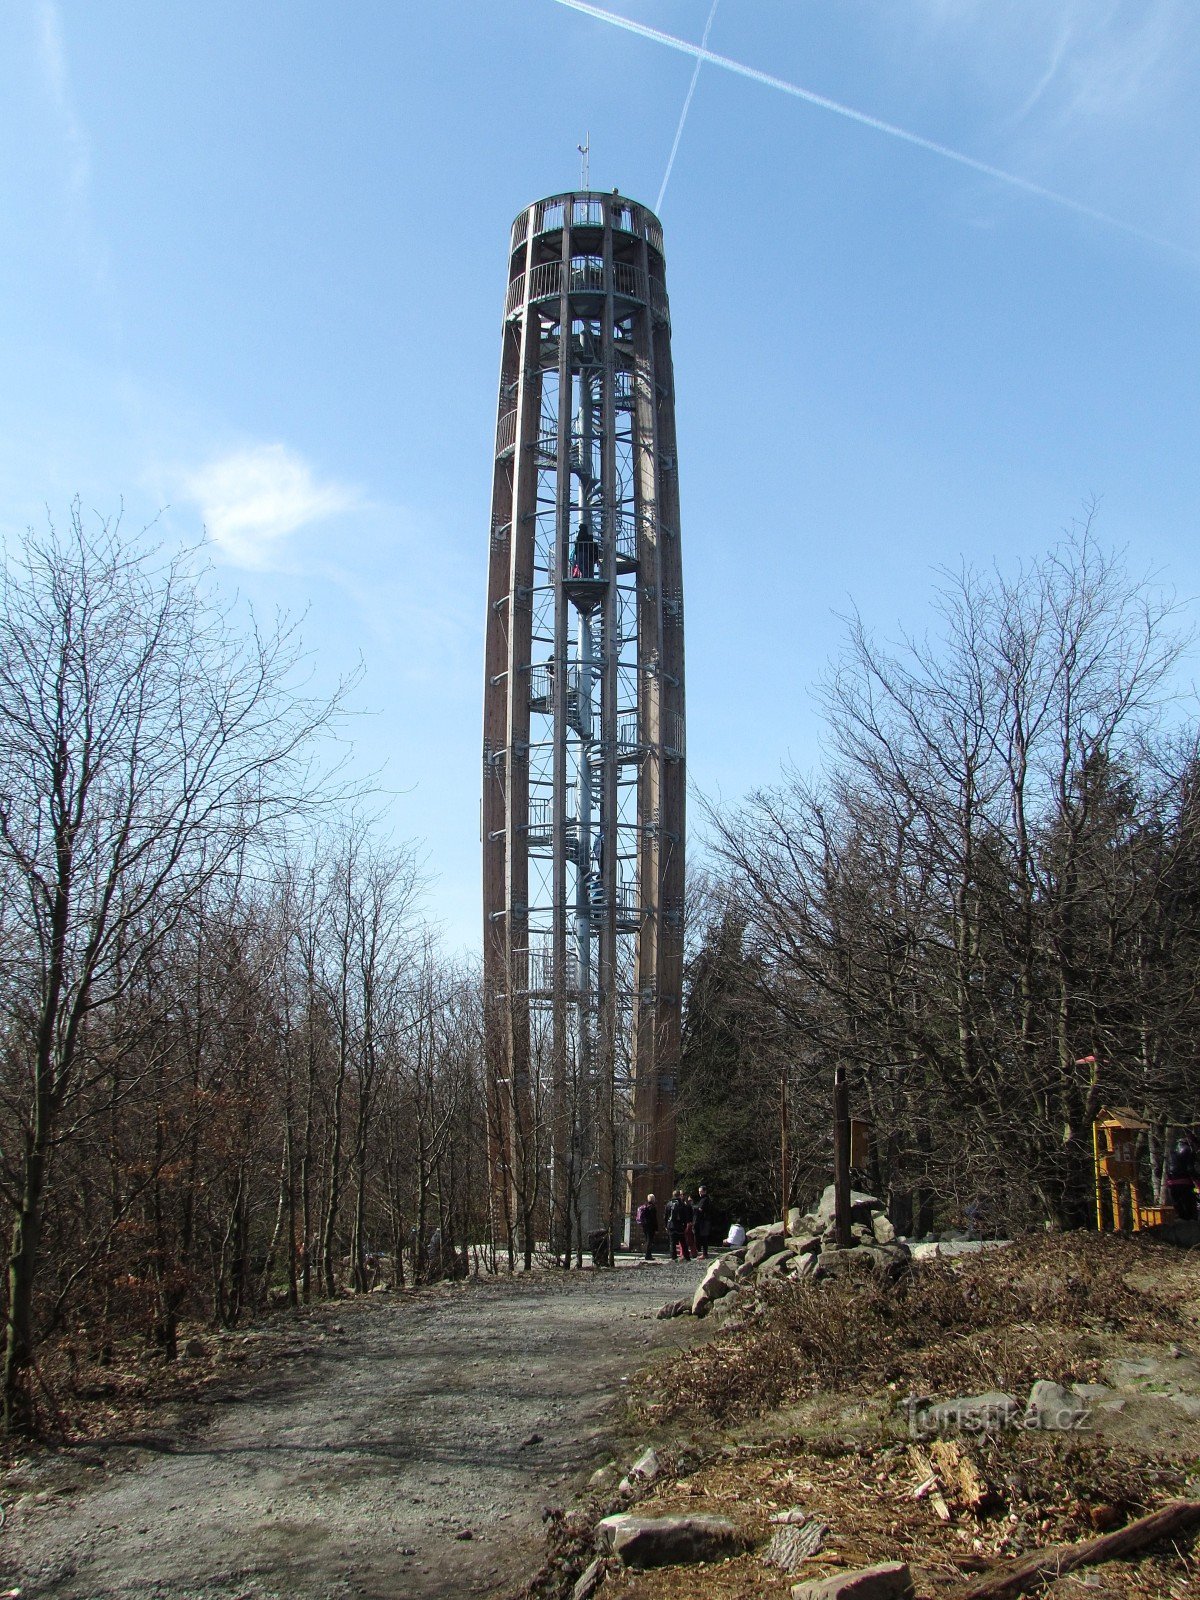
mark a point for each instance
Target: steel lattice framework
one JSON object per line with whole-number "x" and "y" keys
{"x": 583, "y": 795}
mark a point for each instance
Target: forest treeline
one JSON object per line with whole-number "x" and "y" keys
{"x": 234, "y": 1063}
{"x": 985, "y": 904}
{"x": 237, "y": 1068}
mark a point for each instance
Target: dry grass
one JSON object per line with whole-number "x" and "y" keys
{"x": 822, "y": 1354}
{"x": 866, "y": 1496}
{"x": 1043, "y": 1307}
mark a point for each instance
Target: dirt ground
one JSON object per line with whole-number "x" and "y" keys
{"x": 1120, "y": 1316}
{"x": 397, "y": 1447}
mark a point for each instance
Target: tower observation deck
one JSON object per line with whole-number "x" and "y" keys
{"x": 583, "y": 769}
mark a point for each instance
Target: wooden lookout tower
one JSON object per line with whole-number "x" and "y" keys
{"x": 583, "y": 757}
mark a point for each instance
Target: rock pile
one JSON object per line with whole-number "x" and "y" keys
{"x": 803, "y": 1246}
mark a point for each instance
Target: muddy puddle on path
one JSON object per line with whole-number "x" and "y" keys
{"x": 412, "y": 1456}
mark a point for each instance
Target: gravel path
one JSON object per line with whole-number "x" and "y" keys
{"x": 410, "y": 1455}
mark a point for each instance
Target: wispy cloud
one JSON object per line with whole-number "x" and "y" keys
{"x": 252, "y": 499}
{"x": 1120, "y": 62}
{"x": 1073, "y": 63}
{"x": 56, "y": 75}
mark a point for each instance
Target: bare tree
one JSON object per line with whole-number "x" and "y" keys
{"x": 144, "y": 739}
{"x": 960, "y": 905}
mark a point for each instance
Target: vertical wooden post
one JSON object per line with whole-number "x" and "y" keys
{"x": 841, "y": 1157}
{"x": 784, "y": 1153}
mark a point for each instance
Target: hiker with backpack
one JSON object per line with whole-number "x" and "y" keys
{"x": 647, "y": 1220}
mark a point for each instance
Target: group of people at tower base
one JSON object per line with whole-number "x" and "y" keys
{"x": 688, "y": 1224}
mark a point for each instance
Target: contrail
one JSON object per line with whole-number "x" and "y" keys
{"x": 702, "y": 54}
{"x": 687, "y": 104}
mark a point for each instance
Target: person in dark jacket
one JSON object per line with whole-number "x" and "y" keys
{"x": 678, "y": 1215}
{"x": 647, "y": 1219}
{"x": 702, "y": 1220}
{"x": 1181, "y": 1180}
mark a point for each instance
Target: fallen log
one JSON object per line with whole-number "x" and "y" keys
{"x": 1046, "y": 1565}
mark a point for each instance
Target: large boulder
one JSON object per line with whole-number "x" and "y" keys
{"x": 667, "y": 1541}
{"x": 758, "y": 1250}
{"x": 862, "y": 1207}
{"x": 716, "y": 1282}
{"x": 860, "y": 1258}
{"x": 765, "y": 1230}
{"x": 775, "y": 1266}
{"x": 889, "y": 1581}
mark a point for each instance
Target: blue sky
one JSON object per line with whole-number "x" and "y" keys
{"x": 252, "y": 274}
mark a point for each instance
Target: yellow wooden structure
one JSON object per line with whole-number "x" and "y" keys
{"x": 1114, "y": 1150}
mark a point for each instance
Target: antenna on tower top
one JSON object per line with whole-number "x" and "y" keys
{"x": 585, "y": 150}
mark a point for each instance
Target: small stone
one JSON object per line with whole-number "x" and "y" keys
{"x": 1092, "y": 1391}
{"x": 972, "y": 1413}
{"x": 1053, "y": 1407}
{"x": 882, "y": 1229}
{"x": 674, "y": 1308}
{"x": 646, "y": 1468}
{"x": 604, "y": 1477}
{"x": 529, "y": 1440}
{"x": 889, "y": 1581}
{"x": 464, "y": 1533}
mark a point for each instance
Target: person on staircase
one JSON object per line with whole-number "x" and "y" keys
{"x": 586, "y": 551}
